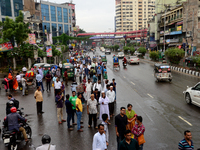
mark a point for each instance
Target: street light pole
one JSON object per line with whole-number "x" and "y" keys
{"x": 164, "y": 28}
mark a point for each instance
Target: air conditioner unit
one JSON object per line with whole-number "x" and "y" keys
{"x": 188, "y": 34}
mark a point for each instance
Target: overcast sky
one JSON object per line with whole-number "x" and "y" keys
{"x": 93, "y": 15}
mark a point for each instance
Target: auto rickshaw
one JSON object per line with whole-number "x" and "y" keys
{"x": 70, "y": 70}
{"x": 162, "y": 72}
{"x": 116, "y": 62}
{"x": 103, "y": 58}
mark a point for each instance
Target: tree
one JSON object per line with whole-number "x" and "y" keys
{"x": 174, "y": 55}
{"x": 116, "y": 47}
{"x": 154, "y": 55}
{"x": 142, "y": 50}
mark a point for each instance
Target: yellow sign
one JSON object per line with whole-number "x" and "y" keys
{"x": 179, "y": 28}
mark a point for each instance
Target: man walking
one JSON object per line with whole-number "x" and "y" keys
{"x": 39, "y": 80}
{"x": 111, "y": 96}
{"x": 72, "y": 99}
{"x": 186, "y": 143}
{"x": 57, "y": 86}
{"x": 113, "y": 83}
{"x": 66, "y": 77}
{"x": 99, "y": 139}
{"x": 88, "y": 90}
{"x": 92, "y": 111}
{"x": 138, "y": 130}
{"x": 128, "y": 143}
{"x": 69, "y": 111}
{"x": 120, "y": 125}
{"x": 79, "y": 110}
{"x": 39, "y": 100}
{"x": 23, "y": 85}
{"x": 99, "y": 87}
{"x": 48, "y": 81}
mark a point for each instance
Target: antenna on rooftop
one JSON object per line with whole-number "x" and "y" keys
{"x": 71, "y": 1}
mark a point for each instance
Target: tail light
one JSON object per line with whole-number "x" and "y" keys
{"x": 160, "y": 70}
{"x": 131, "y": 59}
{"x": 138, "y": 59}
{"x": 4, "y": 118}
{"x": 168, "y": 69}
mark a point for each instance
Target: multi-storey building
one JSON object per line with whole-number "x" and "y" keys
{"x": 133, "y": 14}
{"x": 10, "y": 8}
{"x": 56, "y": 18}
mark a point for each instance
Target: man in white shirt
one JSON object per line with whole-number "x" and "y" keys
{"x": 89, "y": 66}
{"x": 24, "y": 69}
{"x": 99, "y": 139}
{"x": 57, "y": 86}
{"x": 111, "y": 96}
{"x": 39, "y": 80}
{"x": 60, "y": 64}
{"x": 99, "y": 87}
{"x": 88, "y": 89}
{"x": 18, "y": 77}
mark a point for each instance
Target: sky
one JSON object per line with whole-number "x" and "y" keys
{"x": 93, "y": 15}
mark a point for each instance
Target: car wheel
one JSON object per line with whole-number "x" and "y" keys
{"x": 188, "y": 98}
{"x": 138, "y": 63}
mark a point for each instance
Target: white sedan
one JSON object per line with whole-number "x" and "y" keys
{"x": 120, "y": 55}
{"x": 133, "y": 59}
{"x": 192, "y": 95}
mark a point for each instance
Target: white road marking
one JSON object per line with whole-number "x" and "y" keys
{"x": 124, "y": 77}
{"x": 133, "y": 83}
{"x": 150, "y": 95}
{"x": 185, "y": 121}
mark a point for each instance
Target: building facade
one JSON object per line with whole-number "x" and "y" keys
{"x": 56, "y": 18}
{"x": 10, "y": 8}
{"x": 133, "y": 15}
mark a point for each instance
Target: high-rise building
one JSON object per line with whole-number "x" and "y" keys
{"x": 10, "y": 8}
{"x": 133, "y": 15}
{"x": 57, "y": 18}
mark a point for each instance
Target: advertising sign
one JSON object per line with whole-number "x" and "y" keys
{"x": 58, "y": 48}
{"x": 49, "y": 51}
{"x": 6, "y": 47}
{"x": 50, "y": 38}
{"x": 32, "y": 39}
{"x": 72, "y": 6}
{"x": 179, "y": 28}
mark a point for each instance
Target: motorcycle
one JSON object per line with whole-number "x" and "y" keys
{"x": 11, "y": 139}
{"x": 125, "y": 64}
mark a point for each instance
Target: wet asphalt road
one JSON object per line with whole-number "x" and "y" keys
{"x": 160, "y": 104}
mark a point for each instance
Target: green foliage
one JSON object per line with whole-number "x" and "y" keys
{"x": 55, "y": 52}
{"x": 131, "y": 49}
{"x": 14, "y": 29}
{"x": 142, "y": 50}
{"x": 174, "y": 55}
{"x": 116, "y": 47}
{"x": 41, "y": 53}
{"x": 154, "y": 55}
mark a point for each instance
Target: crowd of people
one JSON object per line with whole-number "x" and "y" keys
{"x": 91, "y": 88}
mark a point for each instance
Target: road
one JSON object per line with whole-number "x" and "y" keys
{"x": 165, "y": 114}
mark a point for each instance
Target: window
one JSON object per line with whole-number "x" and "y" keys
{"x": 140, "y": 15}
{"x": 66, "y": 29}
{"x": 45, "y": 12}
{"x": 140, "y": 5}
{"x": 54, "y": 29}
{"x": 46, "y": 26}
{"x": 60, "y": 29}
{"x": 140, "y": 22}
{"x": 5, "y": 6}
{"x": 131, "y": 15}
{"x": 140, "y": 2}
{"x": 53, "y": 13}
{"x": 18, "y": 5}
{"x": 140, "y": 12}
{"x": 65, "y": 15}
{"x": 59, "y": 14}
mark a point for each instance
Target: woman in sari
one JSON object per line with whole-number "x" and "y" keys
{"x": 6, "y": 84}
{"x": 15, "y": 83}
{"x": 10, "y": 77}
{"x": 131, "y": 115}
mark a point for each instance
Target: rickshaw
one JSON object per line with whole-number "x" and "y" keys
{"x": 103, "y": 59}
{"x": 30, "y": 78}
{"x": 116, "y": 62}
{"x": 46, "y": 68}
{"x": 70, "y": 70}
{"x": 162, "y": 72}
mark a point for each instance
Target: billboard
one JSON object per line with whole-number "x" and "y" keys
{"x": 32, "y": 39}
{"x": 72, "y": 6}
{"x": 49, "y": 51}
{"x": 6, "y": 47}
{"x": 58, "y": 48}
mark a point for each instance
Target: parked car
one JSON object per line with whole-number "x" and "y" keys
{"x": 192, "y": 95}
{"x": 107, "y": 51}
{"x": 137, "y": 53}
{"x": 133, "y": 60}
{"x": 120, "y": 55}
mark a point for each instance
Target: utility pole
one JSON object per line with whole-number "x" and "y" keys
{"x": 192, "y": 38}
{"x": 186, "y": 35}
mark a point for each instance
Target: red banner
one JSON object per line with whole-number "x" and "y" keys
{"x": 72, "y": 5}
{"x": 6, "y": 47}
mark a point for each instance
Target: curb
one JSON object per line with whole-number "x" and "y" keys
{"x": 189, "y": 72}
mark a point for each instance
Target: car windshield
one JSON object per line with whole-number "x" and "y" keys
{"x": 121, "y": 53}
{"x": 132, "y": 57}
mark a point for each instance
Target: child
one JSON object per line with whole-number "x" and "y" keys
{"x": 69, "y": 111}
{"x": 106, "y": 123}
{"x": 63, "y": 90}
{"x": 60, "y": 108}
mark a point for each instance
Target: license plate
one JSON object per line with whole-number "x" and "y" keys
{"x": 6, "y": 140}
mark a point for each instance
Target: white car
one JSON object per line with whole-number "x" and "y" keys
{"x": 192, "y": 95}
{"x": 137, "y": 53}
{"x": 120, "y": 55}
{"x": 133, "y": 60}
{"x": 107, "y": 51}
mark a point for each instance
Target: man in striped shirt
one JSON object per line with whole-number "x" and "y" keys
{"x": 186, "y": 143}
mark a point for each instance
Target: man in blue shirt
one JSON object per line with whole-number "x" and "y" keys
{"x": 186, "y": 143}
{"x": 86, "y": 71}
{"x": 99, "y": 73}
{"x": 39, "y": 80}
{"x": 69, "y": 111}
{"x": 94, "y": 78}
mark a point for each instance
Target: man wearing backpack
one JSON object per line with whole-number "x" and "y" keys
{"x": 16, "y": 102}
